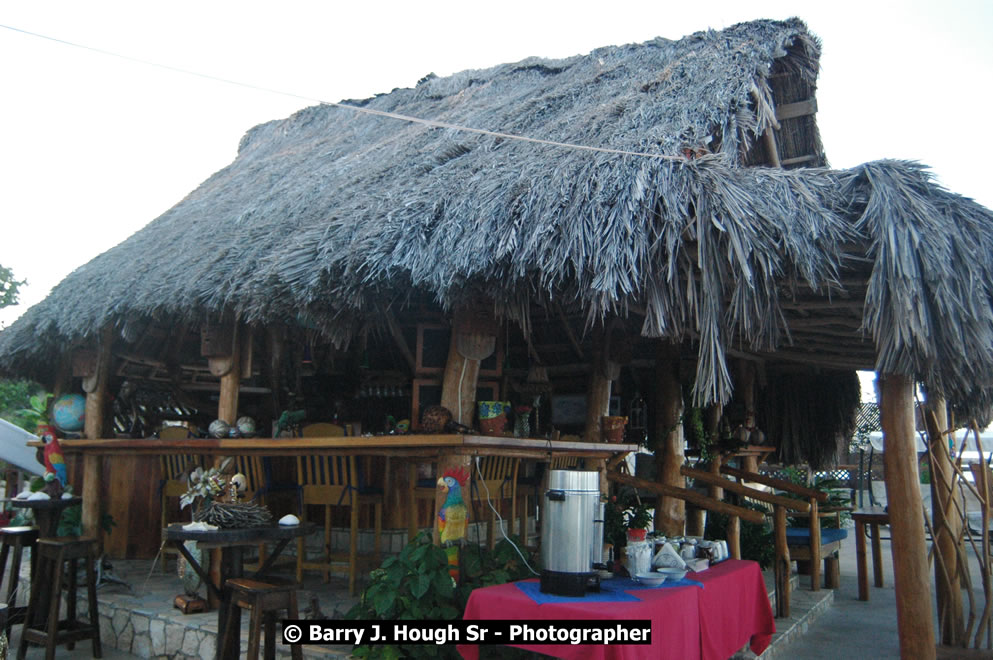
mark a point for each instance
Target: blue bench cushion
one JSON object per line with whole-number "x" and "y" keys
{"x": 801, "y": 535}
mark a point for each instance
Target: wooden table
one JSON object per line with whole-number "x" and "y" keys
{"x": 232, "y": 543}
{"x": 688, "y": 622}
{"x": 874, "y": 516}
{"x": 46, "y": 512}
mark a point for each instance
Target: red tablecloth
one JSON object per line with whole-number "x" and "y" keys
{"x": 688, "y": 623}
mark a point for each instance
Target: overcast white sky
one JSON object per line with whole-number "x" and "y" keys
{"x": 93, "y": 147}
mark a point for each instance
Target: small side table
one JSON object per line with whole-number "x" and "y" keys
{"x": 874, "y": 516}
{"x": 46, "y": 512}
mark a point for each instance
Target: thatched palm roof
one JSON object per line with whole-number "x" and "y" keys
{"x": 332, "y": 212}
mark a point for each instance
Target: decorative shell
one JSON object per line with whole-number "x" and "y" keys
{"x": 219, "y": 429}
{"x": 241, "y": 481}
{"x": 246, "y": 426}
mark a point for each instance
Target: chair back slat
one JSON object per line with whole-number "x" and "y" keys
{"x": 174, "y": 465}
{"x": 498, "y": 472}
{"x": 322, "y": 430}
{"x": 565, "y": 462}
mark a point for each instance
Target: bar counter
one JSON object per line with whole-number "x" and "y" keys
{"x": 121, "y": 463}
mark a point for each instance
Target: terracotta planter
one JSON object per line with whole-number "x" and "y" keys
{"x": 612, "y": 428}
{"x": 492, "y": 416}
{"x": 493, "y": 425}
{"x": 637, "y": 535}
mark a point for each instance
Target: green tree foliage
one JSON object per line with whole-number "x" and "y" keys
{"x": 9, "y": 287}
{"x": 15, "y": 395}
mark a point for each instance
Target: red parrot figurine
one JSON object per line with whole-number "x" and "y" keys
{"x": 54, "y": 461}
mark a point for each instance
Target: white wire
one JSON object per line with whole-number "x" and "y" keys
{"x": 465, "y": 362}
{"x": 503, "y": 531}
{"x": 369, "y": 111}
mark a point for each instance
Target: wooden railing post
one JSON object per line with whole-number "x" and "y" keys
{"x": 782, "y": 565}
{"x": 733, "y": 534}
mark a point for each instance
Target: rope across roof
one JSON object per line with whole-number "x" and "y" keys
{"x": 325, "y": 215}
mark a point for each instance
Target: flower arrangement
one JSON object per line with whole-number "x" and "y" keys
{"x": 219, "y": 493}
{"x": 205, "y": 485}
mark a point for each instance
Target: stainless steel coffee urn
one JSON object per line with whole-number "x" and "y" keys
{"x": 571, "y": 532}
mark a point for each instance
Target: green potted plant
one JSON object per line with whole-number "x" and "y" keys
{"x": 637, "y": 519}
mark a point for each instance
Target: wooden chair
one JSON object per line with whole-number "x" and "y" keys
{"x": 174, "y": 468}
{"x": 498, "y": 482}
{"x": 418, "y": 490}
{"x": 813, "y": 543}
{"x": 335, "y": 481}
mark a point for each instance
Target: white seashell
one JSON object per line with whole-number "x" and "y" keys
{"x": 40, "y": 496}
{"x": 289, "y": 519}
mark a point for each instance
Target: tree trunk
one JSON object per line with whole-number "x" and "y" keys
{"x": 670, "y": 516}
{"x": 903, "y": 497}
{"x": 947, "y": 525}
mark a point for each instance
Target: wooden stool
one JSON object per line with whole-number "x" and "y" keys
{"x": 264, "y": 600}
{"x": 53, "y": 555}
{"x": 16, "y": 539}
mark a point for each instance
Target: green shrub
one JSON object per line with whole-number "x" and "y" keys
{"x": 416, "y": 585}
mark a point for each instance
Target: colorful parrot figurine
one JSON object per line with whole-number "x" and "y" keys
{"x": 453, "y": 516}
{"x": 54, "y": 461}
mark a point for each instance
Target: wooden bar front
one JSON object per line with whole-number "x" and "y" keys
{"x": 121, "y": 457}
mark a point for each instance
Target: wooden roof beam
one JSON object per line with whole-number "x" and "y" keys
{"x": 798, "y": 109}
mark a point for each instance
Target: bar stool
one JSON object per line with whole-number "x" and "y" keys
{"x": 16, "y": 539}
{"x": 265, "y": 600}
{"x": 53, "y": 555}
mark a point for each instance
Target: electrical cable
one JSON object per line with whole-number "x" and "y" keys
{"x": 432, "y": 123}
{"x": 503, "y": 531}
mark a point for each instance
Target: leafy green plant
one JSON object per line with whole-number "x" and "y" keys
{"x": 36, "y": 413}
{"x": 835, "y": 499}
{"x": 622, "y": 512}
{"x": 416, "y": 585}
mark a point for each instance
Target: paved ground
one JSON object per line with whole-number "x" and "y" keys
{"x": 849, "y": 630}
{"x": 852, "y": 629}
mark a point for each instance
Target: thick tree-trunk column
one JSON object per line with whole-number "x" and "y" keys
{"x": 696, "y": 521}
{"x": 227, "y": 405}
{"x": 96, "y": 412}
{"x": 458, "y": 385}
{"x": 903, "y": 496}
{"x": 598, "y": 395}
{"x": 947, "y": 524}
{"x": 670, "y": 516}
{"x": 746, "y": 381}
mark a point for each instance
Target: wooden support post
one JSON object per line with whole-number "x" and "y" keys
{"x": 733, "y": 536}
{"x": 96, "y": 410}
{"x": 227, "y": 405}
{"x": 276, "y": 353}
{"x": 903, "y": 495}
{"x": 458, "y": 385}
{"x": 947, "y": 525}
{"x": 670, "y": 516}
{"x": 782, "y": 566}
{"x": 815, "y": 547}
{"x": 598, "y": 396}
{"x": 746, "y": 383}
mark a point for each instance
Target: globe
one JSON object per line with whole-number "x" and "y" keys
{"x": 69, "y": 412}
